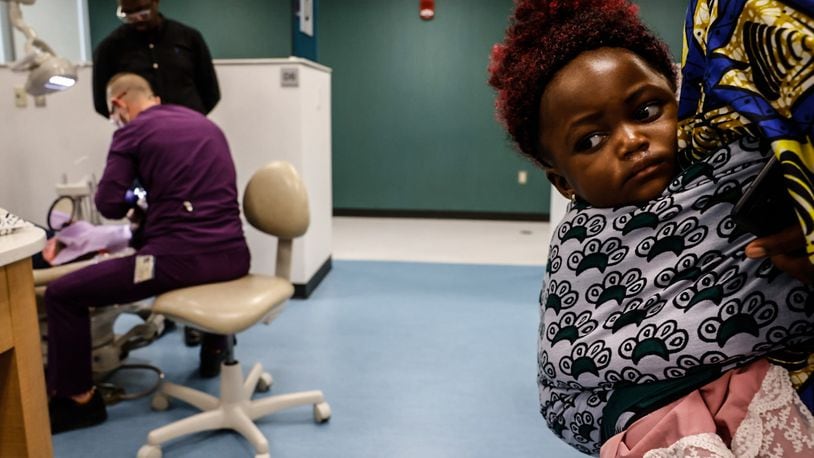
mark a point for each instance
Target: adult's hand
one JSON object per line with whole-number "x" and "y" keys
{"x": 135, "y": 215}
{"x": 787, "y": 251}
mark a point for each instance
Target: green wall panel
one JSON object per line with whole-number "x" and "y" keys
{"x": 236, "y": 29}
{"x": 413, "y": 124}
{"x": 666, "y": 18}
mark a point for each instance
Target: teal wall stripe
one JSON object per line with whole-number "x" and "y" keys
{"x": 234, "y": 29}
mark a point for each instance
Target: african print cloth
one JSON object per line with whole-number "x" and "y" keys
{"x": 748, "y": 67}
{"x": 644, "y": 293}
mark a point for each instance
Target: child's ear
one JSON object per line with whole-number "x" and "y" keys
{"x": 559, "y": 182}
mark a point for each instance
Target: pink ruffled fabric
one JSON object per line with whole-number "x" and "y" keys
{"x": 748, "y": 412}
{"x": 718, "y": 407}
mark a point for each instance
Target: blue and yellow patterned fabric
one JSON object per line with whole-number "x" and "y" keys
{"x": 748, "y": 69}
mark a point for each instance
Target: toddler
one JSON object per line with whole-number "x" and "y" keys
{"x": 654, "y": 323}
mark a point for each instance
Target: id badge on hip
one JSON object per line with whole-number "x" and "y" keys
{"x": 145, "y": 268}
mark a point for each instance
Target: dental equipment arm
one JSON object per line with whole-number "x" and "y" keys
{"x": 47, "y": 72}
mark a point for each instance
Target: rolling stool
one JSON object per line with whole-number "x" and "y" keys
{"x": 275, "y": 202}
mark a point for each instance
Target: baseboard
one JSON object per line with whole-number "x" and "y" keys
{"x": 442, "y": 214}
{"x": 302, "y": 291}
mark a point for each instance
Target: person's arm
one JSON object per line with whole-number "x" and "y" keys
{"x": 727, "y": 76}
{"x": 205, "y": 78}
{"x": 102, "y": 72}
{"x": 120, "y": 171}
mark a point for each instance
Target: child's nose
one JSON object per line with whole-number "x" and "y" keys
{"x": 632, "y": 140}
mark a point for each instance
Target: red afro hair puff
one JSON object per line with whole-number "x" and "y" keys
{"x": 543, "y": 36}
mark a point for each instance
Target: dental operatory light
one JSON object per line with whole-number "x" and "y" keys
{"x": 47, "y": 72}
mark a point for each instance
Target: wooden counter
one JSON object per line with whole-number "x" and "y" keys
{"x": 25, "y": 430}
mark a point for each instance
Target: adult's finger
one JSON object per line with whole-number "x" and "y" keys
{"x": 789, "y": 240}
{"x": 798, "y": 267}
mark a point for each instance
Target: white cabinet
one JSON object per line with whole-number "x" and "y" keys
{"x": 280, "y": 109}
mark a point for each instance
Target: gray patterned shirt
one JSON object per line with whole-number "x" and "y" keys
{"x": 646, "y": 293}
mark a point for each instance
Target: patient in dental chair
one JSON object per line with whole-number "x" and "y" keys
{"x": 656, "y": 328}
{"x": 192, "y": 234}
{"x": 83, "y": 240}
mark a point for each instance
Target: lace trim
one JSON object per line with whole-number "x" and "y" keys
{"x": 777, "y": 425}
{"x": 704, "y": 445}
{"x": 780, "y": 420}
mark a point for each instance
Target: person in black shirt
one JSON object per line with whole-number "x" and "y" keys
{"x": 176, "y": 62}
{"x": 173, "y": 57}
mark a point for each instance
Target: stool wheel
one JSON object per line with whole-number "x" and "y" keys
{"x": 159, "y": 402}
{"x": 263, "y": 383}
{"x": 149, "y": 451}
{"x": 322, "y": 412}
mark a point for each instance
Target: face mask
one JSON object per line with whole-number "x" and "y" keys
{"x": 117, "y": 119}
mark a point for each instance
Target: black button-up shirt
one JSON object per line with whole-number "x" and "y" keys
{"x": 174, "y": 58}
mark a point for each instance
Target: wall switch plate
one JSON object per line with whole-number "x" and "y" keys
{"x": 39, "y": 101}
{"x": 20, "y": 97}
{"x": 522, "y": 177}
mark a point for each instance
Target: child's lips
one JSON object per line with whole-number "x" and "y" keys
{"x": 646, "y": 168}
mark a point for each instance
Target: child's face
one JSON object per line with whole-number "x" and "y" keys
{"x": 608, "y": 127}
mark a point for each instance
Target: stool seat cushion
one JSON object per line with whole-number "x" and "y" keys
{"x": 226, "y": 307}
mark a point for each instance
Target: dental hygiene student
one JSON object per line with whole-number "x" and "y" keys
{"x": 190, "y": 234}
{"x": 172, "y": 56}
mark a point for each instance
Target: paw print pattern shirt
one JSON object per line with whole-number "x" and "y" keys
{"x": 638, "y": 294}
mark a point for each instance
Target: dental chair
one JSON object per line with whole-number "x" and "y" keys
{"x": 109, "y": 350}
{"x": 274, "y": 202}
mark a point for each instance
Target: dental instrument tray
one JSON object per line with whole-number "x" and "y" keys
{"x": 10, "y": 222}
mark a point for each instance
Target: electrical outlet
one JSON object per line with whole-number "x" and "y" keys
{"x": 39, "y": 101}
{"x": 20, "y": 97}
{"x": 522, "y": 177}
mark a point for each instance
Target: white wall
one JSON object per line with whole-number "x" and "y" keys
{"x": 60, "y": 23}
{"x": 40, "y": 144}
{"x": 263, "y": 122}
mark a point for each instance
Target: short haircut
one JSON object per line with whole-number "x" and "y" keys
{"x": 545, "y": 35}
{"x": 129, "y": 82}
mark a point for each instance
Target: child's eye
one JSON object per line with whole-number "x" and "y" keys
{"x": 648, "y": 111}
{"x": 589, "y": 142}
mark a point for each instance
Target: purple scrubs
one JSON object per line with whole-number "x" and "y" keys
{"x": 192, "y": 228}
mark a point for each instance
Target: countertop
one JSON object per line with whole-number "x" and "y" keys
{"x": 20, "y": 244}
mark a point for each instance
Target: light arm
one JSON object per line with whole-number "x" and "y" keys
{"x": 48, "y": 73}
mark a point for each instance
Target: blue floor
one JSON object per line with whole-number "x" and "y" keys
{"x": 416, "y": 360}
